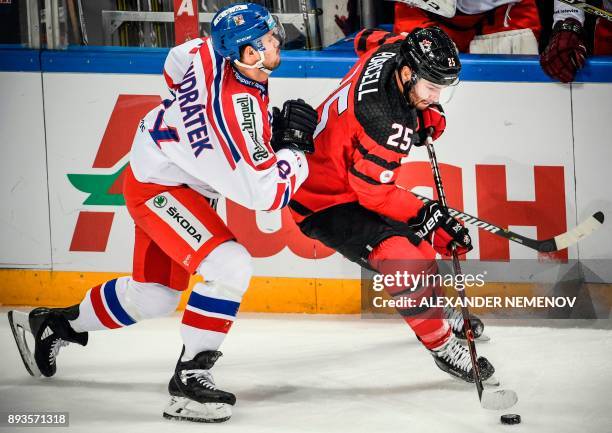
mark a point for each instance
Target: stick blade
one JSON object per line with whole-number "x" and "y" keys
{"x": 581, "y": 231}
{"x": 498, "y": 400}
{"x": 492, "y": 381}
{"x": 445, "y": 8}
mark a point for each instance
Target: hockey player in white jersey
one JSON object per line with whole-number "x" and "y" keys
{"x": 213, "y": 139}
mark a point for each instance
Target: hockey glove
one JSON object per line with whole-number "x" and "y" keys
{"x": 566, "y": 51}
{"x": 432, "y": 117}
{"x": 293, "y": 126}
{"x": 434, "y": 224}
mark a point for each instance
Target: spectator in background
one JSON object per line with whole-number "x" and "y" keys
{"x": 603, "y": 33}
{"x": 566, "y": 51}
{"x": 480, "y": 27}
{"x": 10, "y": 31}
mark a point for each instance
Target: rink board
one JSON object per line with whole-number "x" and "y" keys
{"x": 530, "y": 156}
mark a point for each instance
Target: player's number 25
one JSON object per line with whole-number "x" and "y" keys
{"x": 401, "y": 137}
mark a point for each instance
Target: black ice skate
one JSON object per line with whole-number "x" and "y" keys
{"x": 454, "y": 359}
{"x": 455, "y": 320}
{"x": 51, "y": 331}
{"x": 193, "y": 394}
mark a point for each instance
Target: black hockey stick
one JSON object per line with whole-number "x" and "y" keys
{"x": 557, "y": 243}
{"x": 494, "y": 400}
{"x": 589, "y": 8}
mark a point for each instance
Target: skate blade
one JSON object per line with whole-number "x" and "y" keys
{"x": 184, "y": 409}
{"x": 498, "y": 400}
{"x": 490, "y": 382}
{"x": 20, "y": 323}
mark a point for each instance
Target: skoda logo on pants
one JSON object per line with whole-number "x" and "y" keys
{"x": 160, "y": 201}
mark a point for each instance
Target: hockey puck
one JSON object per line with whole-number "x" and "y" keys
{"x": 511, "y": 418}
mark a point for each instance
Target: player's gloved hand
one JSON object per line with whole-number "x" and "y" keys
{"x": 432, "y": 117}
{"x": 434, "y": 224}
{"x": 566, "y": 51}
{"x": 293, "y": 126}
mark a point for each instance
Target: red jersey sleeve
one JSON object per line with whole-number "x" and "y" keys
{"x": 369, "y": 39}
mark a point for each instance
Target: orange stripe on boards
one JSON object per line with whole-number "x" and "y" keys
{"x": 265, "y": 295}
{"x": 48, "y": 288}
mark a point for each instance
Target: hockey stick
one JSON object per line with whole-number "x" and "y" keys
{"x": 494, "y": 400}
{"x": 602, "y": 13}
{"x": 445, "y": 8}
{"x": 84, "y": 39}
{"x": 305, "y": 10}
{"x": 557, "y": 243}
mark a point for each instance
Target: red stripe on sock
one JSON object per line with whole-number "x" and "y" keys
{"x": 206, "y": 323}
{"x": 100, "y": 310}
{"x": 430, "y": 331}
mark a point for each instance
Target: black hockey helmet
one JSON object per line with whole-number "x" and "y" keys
{"x": 432, "y": 55}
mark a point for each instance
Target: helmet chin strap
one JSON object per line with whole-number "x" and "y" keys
{"x": 258, "y": 65}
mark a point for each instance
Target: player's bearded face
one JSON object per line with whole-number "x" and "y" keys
{"x": 424, "y": 93}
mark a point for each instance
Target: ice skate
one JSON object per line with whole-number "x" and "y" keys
{"x": 51, "y": 331}
{"x": 455, "y": 320}
{"x": 454, "y": 359}
{"x": 193, "y": 394}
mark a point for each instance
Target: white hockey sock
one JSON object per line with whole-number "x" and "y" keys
{"x": 213, "y": 305}
{"x": 102, "y": 309}
{"x": 208, "y": 317}
{"x": 123, "y": 302}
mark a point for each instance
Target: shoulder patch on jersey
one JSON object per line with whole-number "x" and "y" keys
{"x": 247, "y": 112}
{"x": 386, "y": 176}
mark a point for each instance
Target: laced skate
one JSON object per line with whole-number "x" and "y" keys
{"x": 193, "y": 393}
{"x": 454, "y": 359}
{"x": 51, "y": 330}
{"x": 455, "y": 320}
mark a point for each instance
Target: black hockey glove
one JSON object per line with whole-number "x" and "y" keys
{"x": 434, "y": 224}
{"x": 294, "y": 126}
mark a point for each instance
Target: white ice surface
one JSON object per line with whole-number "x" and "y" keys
{"x": 302, "y": 373}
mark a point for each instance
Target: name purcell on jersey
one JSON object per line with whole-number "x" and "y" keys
{"x": 371, "y": 76}
{"x": 193, "y": 115}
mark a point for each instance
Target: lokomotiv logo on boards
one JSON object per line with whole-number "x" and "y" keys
{"x": 93, "y": 226}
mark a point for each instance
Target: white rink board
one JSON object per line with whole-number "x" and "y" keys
{"x": 593, "y": 150}
{"x": 513, "y": 125}
{"x": 87, "y": 100}
{"x": 24, "y": 214}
